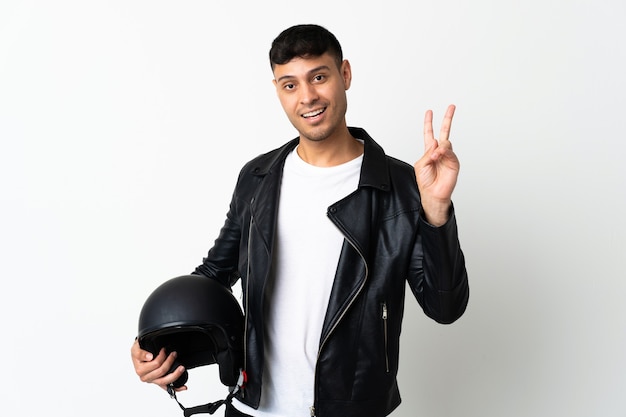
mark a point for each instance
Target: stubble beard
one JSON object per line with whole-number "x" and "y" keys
{"x": 316, "y": 135}
{"x": 322, "y": 132}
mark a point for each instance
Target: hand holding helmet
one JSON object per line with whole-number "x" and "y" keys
{"x": 156, "y": 368}
{"x": 186, "y": 322}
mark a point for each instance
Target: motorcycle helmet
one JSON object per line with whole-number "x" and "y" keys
{"x": 198, "y": 318}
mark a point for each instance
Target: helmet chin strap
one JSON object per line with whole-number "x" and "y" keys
{"x": 214, "y": 406}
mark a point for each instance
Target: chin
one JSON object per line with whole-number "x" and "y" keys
{"x": 316, "y": 136}
{"x": 316, "y": 133}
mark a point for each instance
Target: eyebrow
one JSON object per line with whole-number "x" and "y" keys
{"x": 316, "y": 69}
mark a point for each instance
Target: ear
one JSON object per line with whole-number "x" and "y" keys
{"x": 346, "y": 73}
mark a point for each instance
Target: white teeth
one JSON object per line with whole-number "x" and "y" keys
{"x": 313, "y": 113}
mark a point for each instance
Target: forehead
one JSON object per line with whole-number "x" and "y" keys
{"x": 299, "y": 66}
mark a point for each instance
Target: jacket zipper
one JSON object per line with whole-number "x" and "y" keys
{"x": 385, "y": 331}
{"x": 245, "y": 326}
{"x": 312, "y": 408}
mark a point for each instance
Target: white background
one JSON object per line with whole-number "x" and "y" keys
{"x": 123, "y": 125}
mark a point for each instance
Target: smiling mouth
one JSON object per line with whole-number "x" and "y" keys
{"x": 314, "y": 113}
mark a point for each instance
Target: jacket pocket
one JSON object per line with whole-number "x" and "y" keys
{"x": 385, "y": 320}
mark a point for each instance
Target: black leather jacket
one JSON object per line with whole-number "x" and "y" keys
{"x": 387, "y": 244}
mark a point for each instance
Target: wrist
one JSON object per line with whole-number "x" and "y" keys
{"x": 436, "y": 213}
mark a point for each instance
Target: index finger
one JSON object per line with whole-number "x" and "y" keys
{"x": 140, "y": 355}
{"x": 429, "y": 137}
{"x": 444, "y": 133}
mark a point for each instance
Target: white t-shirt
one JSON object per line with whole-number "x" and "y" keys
{"x": 306, "y": 253}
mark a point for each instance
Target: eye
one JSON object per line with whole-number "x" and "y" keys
{"x": 289, "y": 86}
{"x": 319, "y": 78}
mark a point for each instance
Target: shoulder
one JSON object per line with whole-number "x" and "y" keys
{"x": 381, "y": 170}
{"x": 400, "y": 168}
{"x": 264, "y": 163}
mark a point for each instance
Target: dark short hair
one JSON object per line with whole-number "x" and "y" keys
{"x": 302, "y": 41}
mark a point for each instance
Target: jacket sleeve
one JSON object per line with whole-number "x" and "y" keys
{"x": 439, "y": 279}
{"x": 222, "y": 260}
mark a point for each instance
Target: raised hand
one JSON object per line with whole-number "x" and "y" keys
{"x": 437, "y": 170}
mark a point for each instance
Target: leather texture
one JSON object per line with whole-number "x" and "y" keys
{"x": 387, "y": 245}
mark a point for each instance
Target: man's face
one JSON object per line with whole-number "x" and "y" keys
{"x": 312, "y": 92}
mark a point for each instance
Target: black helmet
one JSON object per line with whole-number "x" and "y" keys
{"x": 198, "y": 318}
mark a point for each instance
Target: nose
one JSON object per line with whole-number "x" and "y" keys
{"x": 308, "y": 94}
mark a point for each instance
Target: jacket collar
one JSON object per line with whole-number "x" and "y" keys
{"x": 374, "y": 171}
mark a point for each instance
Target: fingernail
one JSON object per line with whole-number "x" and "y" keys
{"x": 149, "y": 356}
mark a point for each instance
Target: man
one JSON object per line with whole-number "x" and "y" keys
{"x": 324, "y": 233}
